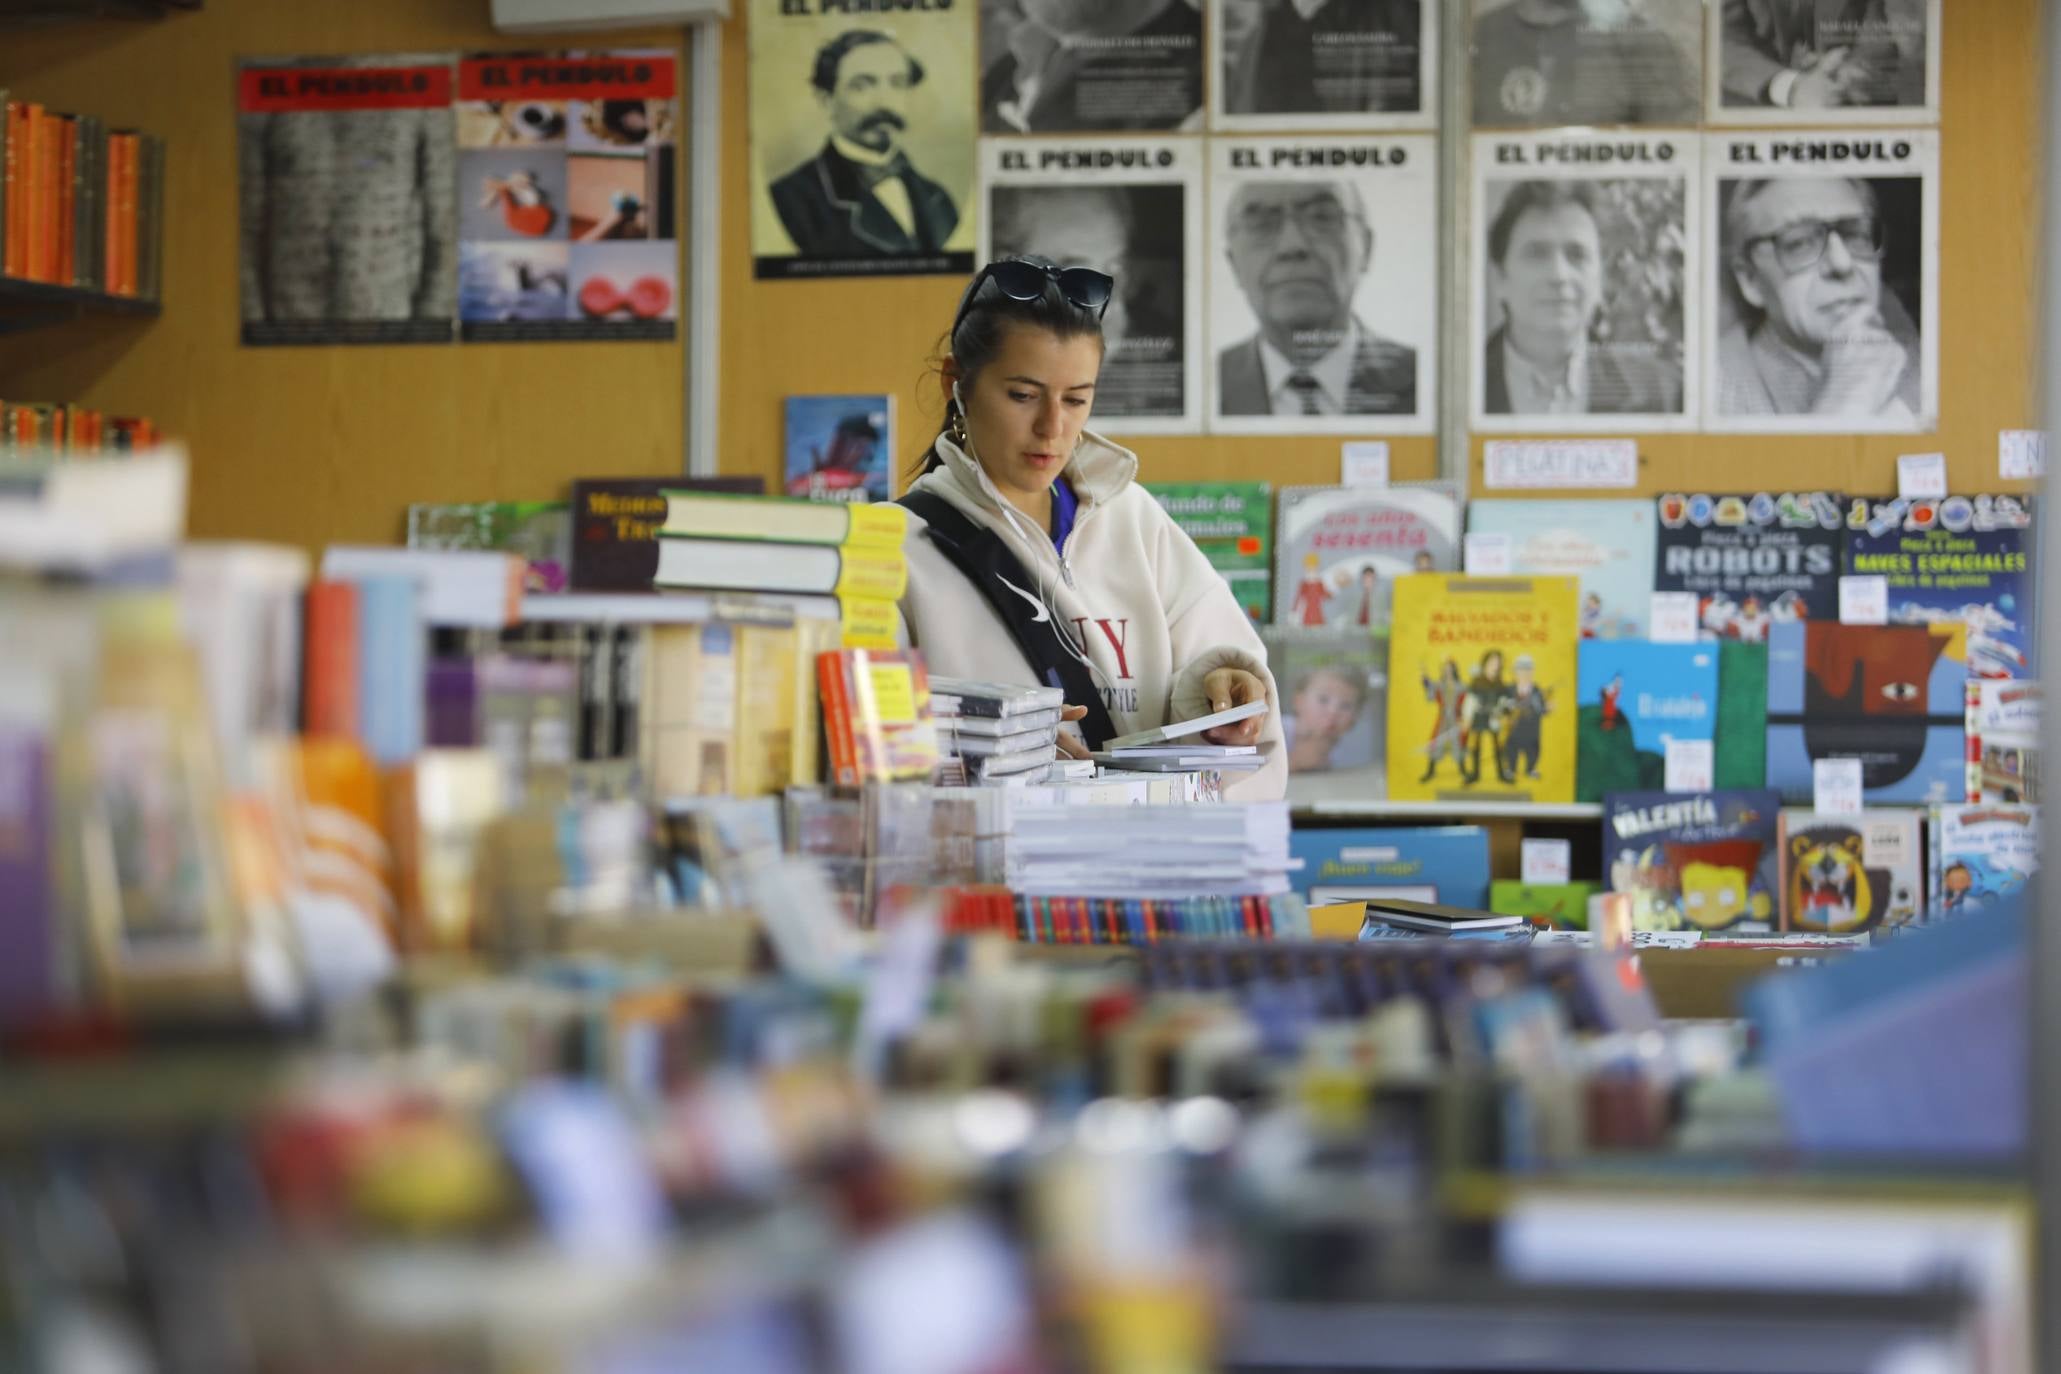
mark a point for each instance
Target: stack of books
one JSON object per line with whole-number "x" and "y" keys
{"x": 1177, "y": 747}
{"x": 1398, "y": 919}
{"x": 1150, "y": 851}
{"x": 725, "y": 542}
{"x": 989, "y": 732}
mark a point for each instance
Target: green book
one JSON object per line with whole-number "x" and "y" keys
{"x": 1232, "y": 523}
{"x": 540, "y": 531}
{"x": 1562, "y": 906}
{"x": 1739, "y": 740}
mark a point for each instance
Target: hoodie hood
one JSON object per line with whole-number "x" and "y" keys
{"x": 1099, "y": 470}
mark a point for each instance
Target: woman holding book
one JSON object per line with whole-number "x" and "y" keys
{"x": 1034, "y": 556}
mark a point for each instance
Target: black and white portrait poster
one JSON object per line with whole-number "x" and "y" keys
{"x": 1357, "y": 65}
{"x": 1824, "y": 61}
{"x": 1090, "y": 66}
{"x": 347, "y": 203}
{"x": 566, "y": 190}
{"x": 1539, "y": 63}
{"x": 1323, "y": 257}
{"x": 1131, "y": 208}
{"x": 1824, "y": 282}
{"x": 1584, "y": 272}
{"x": 862, "y": 153}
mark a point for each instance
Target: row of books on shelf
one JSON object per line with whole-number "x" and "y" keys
{"x": 29, "y": 428}
{"x": 1749, "y": 560}
{"x": 1734, "y": 862}
{"x": 80, "y": 204}
{"x": 1481, "y": 690}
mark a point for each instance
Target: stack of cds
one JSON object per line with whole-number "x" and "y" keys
{"x": 991, "y": 732}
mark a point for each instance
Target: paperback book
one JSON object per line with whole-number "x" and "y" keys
{"x": 1334, "y": 711}
{"x": 840, "y": 448}
{"x": 615, "y": 523}
{"x": 1341, "y": 549}
{"x": 1448, "y": 864}
{"x": 2003, "y": 720}
{"x": 1842, "y": 875}
{"x": 1555, "y": 906}
{"x": 1232, "y": 523}
{"x": 1606, "y": 545}
{"x": 1752, "y": 559}
{"x": 1981, "y": 854}
{"x": 1964, "y": 561}
{"x": 539, "y": 531}
{"x": 1695, "y": 861}
{"x": 1634, "y": 698}
{"x": 1891, "y": 696}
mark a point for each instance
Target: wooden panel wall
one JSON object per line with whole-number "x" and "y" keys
{"x": 310, "y": 445}
{"x": 862, "y": 336}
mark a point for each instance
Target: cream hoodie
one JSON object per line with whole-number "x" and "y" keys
{"x": 1152, "y": 616}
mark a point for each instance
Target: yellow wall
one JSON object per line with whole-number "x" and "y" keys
{"x": 312, "y": 445}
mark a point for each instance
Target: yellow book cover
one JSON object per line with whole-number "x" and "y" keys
{"x": 870, "y": 622}
{"x": 877, "y": 525}
{"x": 879, "y": 574}
{"x": 813, "y": 635}
{"x": 762, "y": 754}
{"x": 689, "y": 710}
{"x": 1481, "y": 688}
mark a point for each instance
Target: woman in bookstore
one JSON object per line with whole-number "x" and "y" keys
{"x": 1034, "y": 556}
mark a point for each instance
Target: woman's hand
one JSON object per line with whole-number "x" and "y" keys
{"x": 1228, "y": 687}
{"x": 1070, "y": 744}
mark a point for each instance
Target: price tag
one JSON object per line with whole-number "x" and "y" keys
{"x": 1836, "y": 787}
{"x": 2021, "y": 454}
{"x": 1578, "y": 463}
{"x": 1545, "y": 861}
{"x": 1690, "y": 765}
{"x": 1363, "y": 463}
{"x": 1673, "y": 618}
{"x": 1486, "y": 555}
{"x": 1921, "y": 476}
{"x": 1864, "y": 600}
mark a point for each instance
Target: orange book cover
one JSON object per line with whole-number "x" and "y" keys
{"x": 132, "y": 201}
{"x": 330, "y": 691}
{"x": 34, "y": 139}
{"x": 837, "y": 720}
{"x": 64, "y": 258}
{"x": 49, "y": 160}
{"x": 111, "y": 214}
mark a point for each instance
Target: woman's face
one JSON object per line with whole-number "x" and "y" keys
{"x": 1027, "y": 407}
{"x": 1325, "y": 705}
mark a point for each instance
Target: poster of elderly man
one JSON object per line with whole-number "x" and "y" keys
{"x": 1323, "y": 290}
{"x": 1131, "y": 208}
{"x": 1584, "y": 273}
{"x": 1825, "y": 286}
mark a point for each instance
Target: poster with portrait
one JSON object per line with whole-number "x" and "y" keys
{"x": 1090, "y": 66}
{"x": 1323, "y": 256}
{"x": 1824, "y": 282}
{"x": 1824, "y": 62}
{"x": 1539, "y": 66}
{"x": 1583, "y": 279}
{"x": 1358, "y": 65}
{"x": 863, "y": 161}
{"x": 1131, "y": 208}
{"x": 347, "y": 206}
{"x": 567, "y": 195}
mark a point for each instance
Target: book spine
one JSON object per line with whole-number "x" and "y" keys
{"x": 67, "y": 200}
{"x": 863, "y": 574}
{"x": 331, "y": 680}
{"x": 28, "y": 897}
{"x": 832, "y": 680}
{"x": 391, "y": 641}
{"x": 111, "y": 203}
{"x": 132, "y": 172}
{"x": 153, "y": 214}
{"x": 39, "y": 191}
{"x": 1971, "y": 707}
{"x": 8, "y": 159}
{"x": 876, "y": 525}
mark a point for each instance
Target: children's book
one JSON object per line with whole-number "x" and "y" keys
{"x": 2003, "y": 719}
{"x": 1752, "y": 559}
{"x": 540, "y": 531}
{"x": 1556, "y": 906}
{"x": 1846, "y": 874}
{"x": 1607, "y": 545}
{"x": 1963, "y": 562}
{"x": 840, "y": 448}
{"x": 1232, "y": 523}
{"x": 1740, "y": 738}
{"x": 1891, "y": 696}
{"x": 1695, "y": 860}
{"x": 1448, "y": 864}
{"x": 1481, "y": 689}
{"x": 1633, "y": 698}
{"x": 1340, "y": 550}
{"x": 1981, "y": 854}
{"x": 1334, "y": 711}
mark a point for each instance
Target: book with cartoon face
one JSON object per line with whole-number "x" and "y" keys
{"x": 1695, "y": 860}
{"x": 1339, "y": 550}
{"x": 1962, "y": 562}
{"x": 1842, "y": 875}
{"x": 1892, "y": 696}
{"x": 1981, "y": 853}
{"x": 1334, "y": 711}
{"x": 1752, "y": 559}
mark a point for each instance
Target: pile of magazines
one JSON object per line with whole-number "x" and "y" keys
{"x": 990, "y": 732}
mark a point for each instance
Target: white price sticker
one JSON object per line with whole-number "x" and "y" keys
{"x": 1690, "y": 765}
{"x": 1486, "y": 555}
{"x": 2021, "y": 454}
{"x": 1836, "y": 787}
{"x": 1921, "y": 476}
{"x": 1864, "y": 600}
{"x": 1545, "y": 861}
{"x": 1363, "y": 463}
{"x": 1673, "y": 618}
{"x": 1577, "y": 463}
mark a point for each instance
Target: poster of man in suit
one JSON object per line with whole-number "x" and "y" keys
{"x": 1323, "y": 256}
{"x": 1090, "y": 66}
{"x": 862, "y": 153}
{"x": 1546, "y": 63}
{"x": 1583, "y": 272}
{"x": 1825, "y": 285}
{"x": 1349, "y": 65}
{"x": 1824, "y": 61}
{"x": 1131, "y": 208}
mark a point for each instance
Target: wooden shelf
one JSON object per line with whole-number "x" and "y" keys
{"x": 25, "y": 304}
{"x": 18, "y": 12}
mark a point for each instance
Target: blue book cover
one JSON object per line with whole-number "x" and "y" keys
{"x": 1443, "y": 863}
{"x": 1962, "y": 561}
{"x": 1608, "y": 545}
{"x": 1632, "y": 697}
{"x": 1891, "y": 696}
{"x": 1695, "y": 860}
{"x": 840, "y": 448}
{"x": 392, "y": 674}
{"x": 1752, "y": 559}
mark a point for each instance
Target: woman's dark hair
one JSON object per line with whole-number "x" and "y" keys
{"x": 985, "y": 320}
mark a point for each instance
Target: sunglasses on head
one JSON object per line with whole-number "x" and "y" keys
{"x": 1026, "y": 281}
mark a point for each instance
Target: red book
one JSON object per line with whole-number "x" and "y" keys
{"x": 67, "y": 204}
{"x": 330, "y": 691}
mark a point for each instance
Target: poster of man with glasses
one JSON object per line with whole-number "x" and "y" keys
{"x": 1324, "y": 277}
{"x": 1584, "y": 281}
{"x": 1825, "y": 293}
{"x": 1131, "y": 208}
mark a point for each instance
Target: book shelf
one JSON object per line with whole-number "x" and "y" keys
{"x": 26, "y": 304}
{"x": 20, "y": 12}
